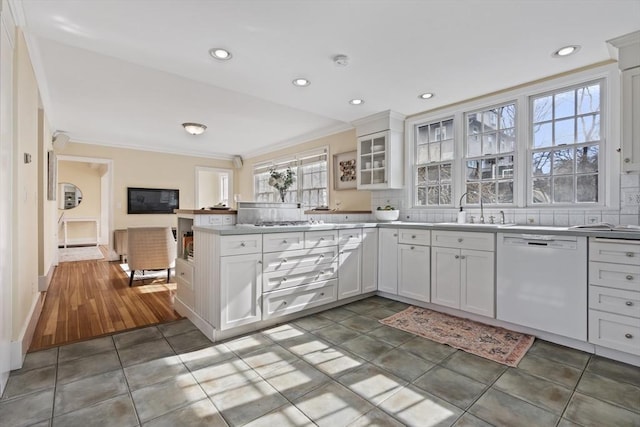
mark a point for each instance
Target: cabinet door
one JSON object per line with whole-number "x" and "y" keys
{"x": 445, "y": 276}
{"x": 369, "y": 259}
{"x": 372, "y": 161}
{"x": 240, "y": 290}
{"x": 349, "y": 271}
{"x": 477, "y": 291}
{"x": 388, "y": 260}
{"x": 630, "y": 122}
{"x": 413, "y": 272}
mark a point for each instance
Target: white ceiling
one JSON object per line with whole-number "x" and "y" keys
{"x": 129, "y": 72}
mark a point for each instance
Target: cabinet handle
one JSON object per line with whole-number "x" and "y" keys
{"x": 460, "y": 239}
{"x": 395, "y": 235}
{"x": 321, "y": 294}
{"x": 259, "y": 262}
{"x": 284, "y": 260}
{"x": 284, "y": 279}
{"x": 628, "y": 303}
{"x": 413, "y": 236}
{"x": 629, "y": 254}
{"x": 350, "y": 236}
{"x": 182, "y": 273}
{"x": 462, "y": 257}
{"x": 628, "y": 336}
{"x": 284, "y": 241}
{"x": 627, "y": 160}
{"x": 322, "y": 238}
{"x": 284, "y": 303}
{"x": 457, "y": 256}
{"x": 341, "y": 252}
{"x": 629, "y": 277}
{"x": 412, "y": 247}
{"x": 242, "y": 244}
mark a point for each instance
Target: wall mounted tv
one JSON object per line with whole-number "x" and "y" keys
{"x": 152, "y": 200}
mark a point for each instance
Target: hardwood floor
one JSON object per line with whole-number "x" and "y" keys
{"x": 87, "y": 299}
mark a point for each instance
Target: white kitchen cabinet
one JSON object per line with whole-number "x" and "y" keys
{"x": 413, "y": 272}
{"x": 380, "y": 161}
{"x": 184, "y": 281}
{"x": 388, "y": 260}
{"x": 631, "y": 120}
{"x": 369, "y": 259}
{"x": 240, "y": 290}
{"x": 350, "y": 271}
{"x": 463, "y": 278}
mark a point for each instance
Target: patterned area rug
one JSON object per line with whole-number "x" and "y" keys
{"x": 147, "y": 274}
{"x": 491, "y": 342}
{"x": 84, "y": 253}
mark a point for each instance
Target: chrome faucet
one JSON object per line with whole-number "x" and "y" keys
{"x": 501, "y": 217}
{"x": 481, "y": 210}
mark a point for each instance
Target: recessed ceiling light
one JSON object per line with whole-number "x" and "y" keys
{"x": 566, "y": 51}
{"x": 221, "y": 54}
{"x": 194, "y": 128}
{"x": 427, "y": 95}
{"x": 300, "y": 82}
{"x": 356, "y": 102}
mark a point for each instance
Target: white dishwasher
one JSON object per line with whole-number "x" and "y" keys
{"x": 542, "y": 282}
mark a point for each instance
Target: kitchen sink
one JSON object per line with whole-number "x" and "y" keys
{"x": 474, "y": 225}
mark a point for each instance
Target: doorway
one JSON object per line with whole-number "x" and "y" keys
{"x": 213, "y": 186}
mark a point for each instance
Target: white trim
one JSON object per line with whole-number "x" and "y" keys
{"x": 20, "y": 346}
{"x": 45, "y": 281}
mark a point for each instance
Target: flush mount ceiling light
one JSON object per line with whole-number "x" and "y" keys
{"x": 565, "y": 51}
{"x": 341, "y": 60}
{"x": 194, "y": 128}
{"x": 356, "y": 101}
{"x": 301, "y": 82}
{"x": 221, "y": 54}
{"x": 427, "y": 95}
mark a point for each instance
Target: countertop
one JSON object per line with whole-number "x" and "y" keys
{"x": 205, "y": 211}
{"x": 486, "y": 228}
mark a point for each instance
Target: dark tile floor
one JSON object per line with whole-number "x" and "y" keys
{"x": 339, "y": 367}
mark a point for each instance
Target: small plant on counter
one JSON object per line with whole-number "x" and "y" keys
{"x": 281, "y": 181}
{"x": 386, "y": 208}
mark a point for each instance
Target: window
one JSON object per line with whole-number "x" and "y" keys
{"x": 434, "y": 157}
{"x": 490, "y": 154}
{"x": 309, "y": 187}
{"x": 565, "y": 145}
{"x": 224, "y": 188}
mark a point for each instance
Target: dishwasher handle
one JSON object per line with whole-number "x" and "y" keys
{"x": 540, "y": 240}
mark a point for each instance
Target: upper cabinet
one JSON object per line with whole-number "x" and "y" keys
{"x": 380, "y": 162}
{"x": 629, "y": 63}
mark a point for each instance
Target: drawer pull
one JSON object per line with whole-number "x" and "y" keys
{"x": 259, "y": 262}
{"x": 462, "y": 257}
{"x": 628, "y": 336}
{"x": 182, "y": 273}
{"x": 629, "y": 254}
{"x": 413, "y": 236}
{"x": 284, "y": 241}
{"x": 460, "y": 239}
{"x": 284, "y": 303}
{"x": 350, "y": 236}
{"x": 284, "y": 279}
{"x": 413, "y": 247}
{"x": 457, "y": 256}
{"x": 321, "y": 294}
{"x": 629, "y": 277}
{"x": 242, "y": 244}
{"x": 284, "y": 260}
{"x": 341, "y": 252}
{"x": 628, "y": 303}
{"x": 395, "y": 235}
{"x": 322, "y": 238}
{"x": 321, "y": 255}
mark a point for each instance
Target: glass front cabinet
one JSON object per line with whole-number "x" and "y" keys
{"x": 380, "y": 161}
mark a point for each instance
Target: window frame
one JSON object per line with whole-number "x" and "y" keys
{"x": 415, "y": 166}
{"x": 609, "y": 169}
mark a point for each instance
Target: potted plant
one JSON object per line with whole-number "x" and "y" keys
{"x": 387, "y": 213}
{"x": 281, "y": 181}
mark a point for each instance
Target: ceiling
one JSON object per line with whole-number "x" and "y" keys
{"x": 129, "y": 72}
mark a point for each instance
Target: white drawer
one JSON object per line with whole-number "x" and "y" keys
{"x": 282, "y": 242}
{"x": 615, "y": 331}
{"x": 285, "y": 261}
{"x": 317, "y": 239}
{"x": 414, "y": 237}
{"x": 299, "y": 276}
{"x": 240, "y": 244}
{"x": 619, "y": 253}
{"x": 616, "y": 301}
{"x": 184, "y": 271}
{"x": 463, "y": 240}
{"x": 288, "y": 301}
{"x": 350, "y": 237}
{"x": 618, "y": 276}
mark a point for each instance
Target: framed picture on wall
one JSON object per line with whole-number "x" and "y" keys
{"x": 344, "y": 170}
{"x": 52, "y": 175}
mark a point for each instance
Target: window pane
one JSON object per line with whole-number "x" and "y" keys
{"x": 589, "y": 128}
{"x": 542, "y": 110}
{"x": 447, "y": 129}
{"x": 565, "y": 104}
{"x": 434, "y": 195}
{"x": 563, "y": 161}
{"x": 474, "y": 124}
{"x": 433, "y": 174}
{"x": 423, "y": 134}
{"x": 489, "y": 192}
{"x": 421, "y": 199}
{"x": 422, "y": 176}
{"x": 564, "y": 132}
{"x": 505, "y": 167}
{"x": 542, "y": 190}
{"x": 488, "y": 168}
{"x": 563, "y": 189}
{"x": 473, "y": 146}
{"x": 445, "y": 172}
{"x": 589, "y": 99}
{"x": 542, "y": 136}
{"x": 505, "y": 191}
{"x": 507, "y": 116}
{"x": 587, "y": 188}
{"x": 434, "y": 132}
{"x": 507, "y": 140}
{"x": 423, "y": 154}
{"x": 473, "y": 170}
{"x": 587, "y": 159}
{"x": 489, "y": 144}
{"x": 445, "y": 195}
{"x": 446, "y": 150}
{"x": 434, "y": 151}
{"x": 473, "y": 192}
{"x": 489, "y": 121}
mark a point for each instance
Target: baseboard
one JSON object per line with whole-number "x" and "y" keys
{"x": 208, "y": 330}
{"x": 20, "y": 347}
{"x": 45, "y": 281}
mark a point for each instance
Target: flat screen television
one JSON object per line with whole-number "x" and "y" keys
{"x": 152, "y": 200}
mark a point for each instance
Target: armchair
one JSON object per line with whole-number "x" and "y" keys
{"x": 150, "y": 248}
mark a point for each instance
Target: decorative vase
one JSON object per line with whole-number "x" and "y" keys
{"x": 283, "y": 194}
